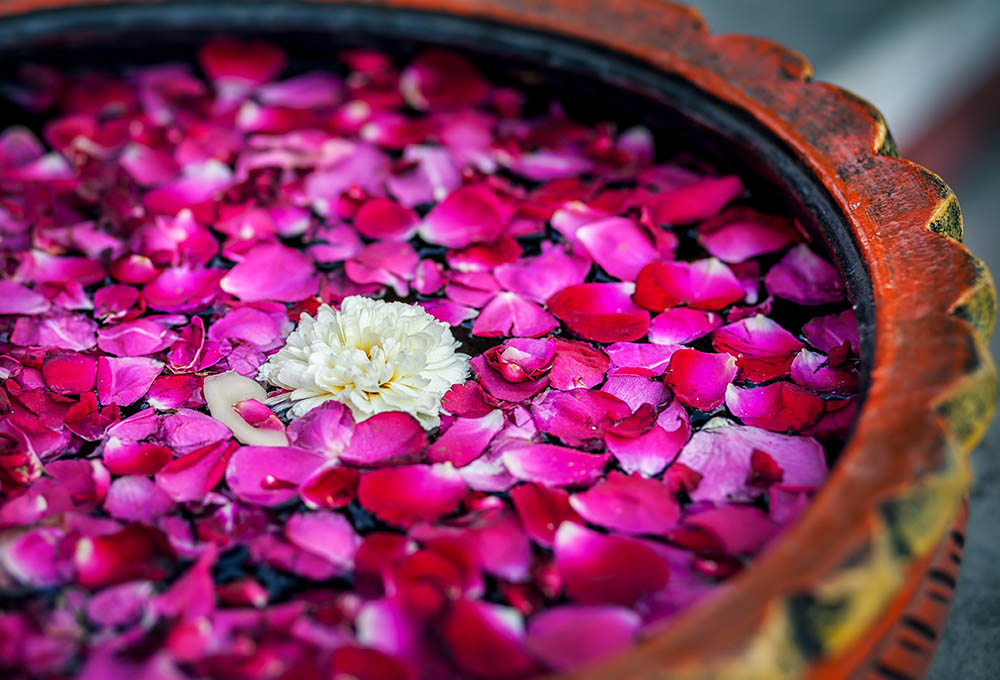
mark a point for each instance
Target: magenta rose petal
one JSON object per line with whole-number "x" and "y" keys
{"x": 576, "y": 416}
{"x": 702, "y": 284}
{"x": 510, "y": 314}
{"x": 618, "y": 245}
{"x": 136, "y": 499}
{"x": 778, "y": 407}
{"x": 124, "y": 381}
{"x": 470, "y": 214}
{"x": 568, "y": 637}
{"x": 467, "y": 400}
{"x": 629, "y": 504}
{"x": 465, "y": 439}
{"x": 542, "y": 510}
{"x": 499, "y": 387}
{"x": 722, "y": 456}
{"x": 326, "y": 429}
{"x": 486, "y": 640}
{"x": 805, "y": 278}
{"x": 603, "y": 312}
{"x": 696, "y": 200}
{"x": 138, "y": 337}
{"x": 187, "y": 430}
{"x": 17, "y": 299}
{"x": 246, "y": 324}
{"x": 763, "y": 349}
{"x": 183, "y": 289}
{"x": 69, "y": 373}
{"x": 384, "y": 438}
{"x": 741, "y": 530}
{"x": 539, "y": 278}
{"x": 521, "y": 359}
{"x": 553, "y": 465}
{"x": 812, "y": 371}
{"x": 191, "y": 476}
{"x": 700, "y": 379}
{"x": 827, "y": 333}
{"x": 383, "y": 218}
{"x": 237, "y": 67}
{"x": 119, "y": 605}
{"x": 326, "y": 534}
{"x": 682, "y": 325}
{"x": 314, "y": 90}
{"x": 198, "y": 184}
{"x": 636, "y": 390}
{"x": 270, "y": 475}
{"x": 438, "y": 80}
{"x": 448, "y": 312}
{"x": 607, "y": 569}
{"x": 639, "y": 358}
{"x": 134, "y": 458}
{"x": 134, "y": 552}
{"x": 61, "y": 330}
{"x": 412, "y": 493}
{"x": 740, "y": 234}
{"x": 649, "y": 453}
{"x": 577, "y": 364}
{"x": 271, "y": 272}
{"x": 33, "y": 559}
{"x": 331, "y": 487}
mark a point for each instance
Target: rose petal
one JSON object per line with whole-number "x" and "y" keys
{"x": 603, "y": 312}
{"x": 763, "y": 349}
{"x": 270, "y": 475}
{"x": 779, "y": 407}
{"x": 702, "y": 284}
{"x": 124, "y": 381}
{"x": 553, "y": 465}
{"x": 385, "y": 437}
{"x": 271, "y": 272}
{"x": 700, "y": 379}
{"x": 466, "y": 439}
{"x": 740, "y": 234}
{"x": 408, "y": 494}
{"x": 470, "y": 214}
{"x": 681, "y": 325}
{"x": 568, "y": 637}
{"x": 805, "y": 278}
{"x": 629, "y": 504}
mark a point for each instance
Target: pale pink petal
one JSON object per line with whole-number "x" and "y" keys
{"x": 60, "y": 330}
{"x": 246, "y": 324}
{"x": 314, "y": 90}
{"x": 636, "y": 390}
{"x": 722, "y": 455}
{"x": 448, "y": 312}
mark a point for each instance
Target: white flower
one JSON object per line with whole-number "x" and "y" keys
{"x": 372, "y": 356}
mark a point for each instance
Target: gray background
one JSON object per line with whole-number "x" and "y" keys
{"x": 916, "y": 60}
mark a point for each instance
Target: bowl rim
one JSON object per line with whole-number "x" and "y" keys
{"x": 799, "y": 610}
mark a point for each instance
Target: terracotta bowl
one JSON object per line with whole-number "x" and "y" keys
{"x": 860, "y": 586}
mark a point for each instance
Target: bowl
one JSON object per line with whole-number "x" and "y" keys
{"x": 861, "y": 584}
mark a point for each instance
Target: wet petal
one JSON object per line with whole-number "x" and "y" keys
{"x": 271, "y": 272}
{"x": 510, "y": 314}
{"x": 270, "y": 475}
{"x": 384, "y": 438}
{"x": 542, "y": 510}
{"x": 628, "y": 503}
{"x": 408, "y": 494}
{"x": 191, "y": 476}
{"x": 695, "y": 201}
{"x": 466, "y": 439}
{"x": 618, "y": 245}
{"x": 124, "y": 381}
{"x": 470, "y": 214}
{"x": 763, "y": 349}
{"x": 740, "y": 234}
{"x": 578, "y": 417}
{"x": 682, "y": 325}
{"x": 568, "y": 637}
{"x": 326, "y": 429}
{"x": 812, "y": 371}
{"x": 577, "y": 364}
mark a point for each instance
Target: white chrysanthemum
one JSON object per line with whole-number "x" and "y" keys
{"x": 371, "y": 356}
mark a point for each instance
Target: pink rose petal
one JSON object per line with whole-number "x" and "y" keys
{"x": 740, "y": 234}
{"x": 568, "y": 637}
{"x": 607, "y": 569}
{"x": 695, "y": 201}
{"x": 578, "y": 417}
{"x": 510, "y": 314}
{"x": 805, "y": 278}
{"x": 700, "y": 379}
{"x": 470, "y": 214}
{"x": 681, "y": 325}
{"x": 542, "y": 510}
{"x": 629, "y": 504}
{"x": 763, "y": 349}
{"x": 385, "y": 438}
{"x": 408, "y": 494}
{"x": 779, "y": 407}
{"x": 124, "y": 381}
{"x": 270, "y": 475}
{"x": 553, "y": 465}
{"x": 466, "y": 439}
{"x": 603, "y": 312}
{"x": 618, "y": 245}
{"x": 702, "y": 284}
{"x": 271, "y": 272}
{"x": 577, "y": 364}
{"x": 438, "y": 80}
{"x": 17, "y": 299}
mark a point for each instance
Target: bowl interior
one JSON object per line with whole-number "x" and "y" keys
{"x": 591, "y": 82}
